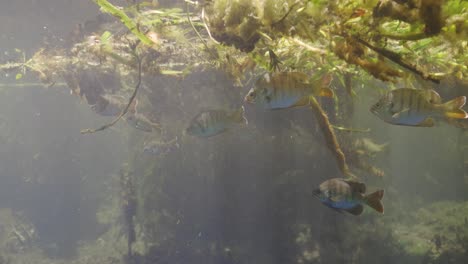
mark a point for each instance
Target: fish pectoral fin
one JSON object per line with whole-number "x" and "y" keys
{"x": 336, "y": 198}
{"x": 356, "y": 210}
{"x": 428, "y": 122}
{"x": 302, "y": 102}
{"x": 397, "y": 114}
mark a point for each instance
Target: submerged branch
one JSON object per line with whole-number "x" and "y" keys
{"x": 415, "y": 36}
{"x": 125, "y": 110}
{"x": 330, "y": 137}
{"x": 396, "y": 58}
{"x": 198, "y": 33}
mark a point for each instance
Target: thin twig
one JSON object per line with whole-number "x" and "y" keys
{"x": 206, "y": 26}
{"x": 196, "y": 31}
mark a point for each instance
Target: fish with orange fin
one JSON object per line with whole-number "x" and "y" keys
{"x": 348, "y": 195}
{"x": 415, "y": 107}
{"x": 286, "y": 89}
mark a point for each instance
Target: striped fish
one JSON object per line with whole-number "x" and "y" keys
{"x": 212, "y": 122}
{"x": 349, "y": 196}
{"x": 414, "y": 107}
{"x": 285, "y": 90}
{"x": 141, "y": 122}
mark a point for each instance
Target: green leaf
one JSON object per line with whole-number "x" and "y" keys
{"x": 19, "y": 76}
{"x": 105, "y": 37}
{"x": 127, "y": 21}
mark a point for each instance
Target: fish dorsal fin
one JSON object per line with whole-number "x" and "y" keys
{"x": 428, "y": 122}
{"x": 356, "y": 210}
{"x": 356, "y": 186}
{"x": 432, "y": 96}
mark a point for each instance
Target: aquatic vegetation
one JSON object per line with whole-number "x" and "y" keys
{"x": 436, "y": 233}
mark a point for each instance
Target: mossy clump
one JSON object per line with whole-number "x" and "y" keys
{"x": 436, "y": 233}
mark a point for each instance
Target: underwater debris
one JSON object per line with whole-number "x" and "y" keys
{"x": 369, "y": 146}
{"x": 427, "y": 11}
{"x": 400, "y": 10}
{"x": 352, "y": 52}
{"x": 158, "y": 148}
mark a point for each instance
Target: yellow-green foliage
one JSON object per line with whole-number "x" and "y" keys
{"x": 447, "y": 220}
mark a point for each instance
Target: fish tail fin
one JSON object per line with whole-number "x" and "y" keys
{"x": 239, "y": 116}
{"x": 452, "y": 108}
{"x": 374, "y": 200}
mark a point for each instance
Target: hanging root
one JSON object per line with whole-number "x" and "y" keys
{"x": 125, "y": 110}
{"x": 330, "y": 137}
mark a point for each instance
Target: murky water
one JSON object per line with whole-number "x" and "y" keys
{"x": 147, "y": 190}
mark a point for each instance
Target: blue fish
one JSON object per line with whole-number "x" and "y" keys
{"x": 349, "y": 196}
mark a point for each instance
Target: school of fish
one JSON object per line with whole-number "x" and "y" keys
{"x": 283, "y": 90}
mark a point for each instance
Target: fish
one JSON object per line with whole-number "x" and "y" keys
{"x": 158, "y": 148}
{"x": 209, "y": 123}
{"x": 285, "y": 90}
{"x": 348, "y": 195}
{"x": 416, "y": 107}
{"x": 112, "y": 105}
{"x": 141, "y": 122}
